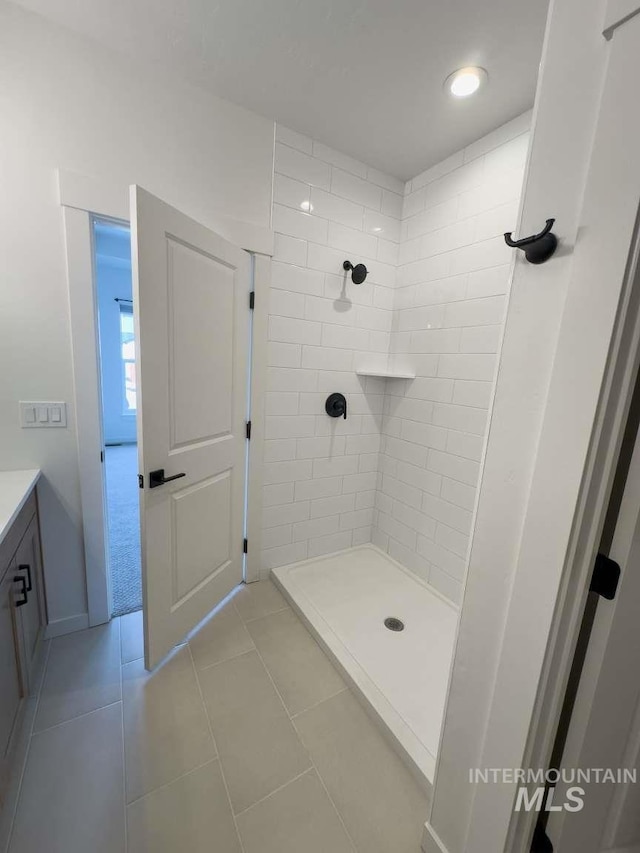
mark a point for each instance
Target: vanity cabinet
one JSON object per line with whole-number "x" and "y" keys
{"x": 12, "y": 690}
{"x": 30, "y": 615}
{"x": 21, "y": 625}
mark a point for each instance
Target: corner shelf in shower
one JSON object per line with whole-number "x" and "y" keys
{"x": 386, "y": 374}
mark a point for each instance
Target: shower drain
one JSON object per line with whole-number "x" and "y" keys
{"x": 394, "y": 624}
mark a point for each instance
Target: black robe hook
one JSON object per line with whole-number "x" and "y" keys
{"x": 539, "y": 247}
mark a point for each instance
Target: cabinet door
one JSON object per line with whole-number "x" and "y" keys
{"x": 12, "y": 689}
{"x": 28, "y": 564}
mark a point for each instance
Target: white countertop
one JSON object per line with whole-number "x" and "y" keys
{"x": 15, "y": 488}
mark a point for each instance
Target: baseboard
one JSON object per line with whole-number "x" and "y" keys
{"x": 66, "y": 626}
{"x": 431, "y": 842}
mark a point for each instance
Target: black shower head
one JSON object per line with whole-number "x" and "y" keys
{"x": 358, "y": 273}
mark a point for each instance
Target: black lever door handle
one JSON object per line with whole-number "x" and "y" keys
{"x": 157, "y": 478}
{"x": 25, "y": 567}
{"x": 23, "y": 591}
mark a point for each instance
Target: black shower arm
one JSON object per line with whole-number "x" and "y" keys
{"x": 527, "y": 241}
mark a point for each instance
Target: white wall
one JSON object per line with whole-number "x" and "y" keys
{"x": 449, "y": 309}
{"x": 68, "y": 103}
{"x": 320, "y": 472}
{"x": 433, "y": 303}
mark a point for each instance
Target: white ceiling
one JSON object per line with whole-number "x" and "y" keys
{"x": 364, "y": 76}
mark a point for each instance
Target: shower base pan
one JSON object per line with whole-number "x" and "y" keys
{"x": 402, "y": 675}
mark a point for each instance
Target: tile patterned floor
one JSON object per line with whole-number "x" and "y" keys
{"x": 245, "y": 741}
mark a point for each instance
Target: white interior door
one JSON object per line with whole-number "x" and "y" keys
{"x": 191, "y": 305}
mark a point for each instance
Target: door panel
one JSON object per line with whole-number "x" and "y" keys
{"x": 191, "y": 306}
{"x": 197, "y": 556}
{"x": 195, "y": 355}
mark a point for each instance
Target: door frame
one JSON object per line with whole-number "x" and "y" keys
{"x": 604, "y": 725}
{"x": 83, "y": 199}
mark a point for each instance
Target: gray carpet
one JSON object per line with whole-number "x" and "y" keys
{"x": 124, "y": 527}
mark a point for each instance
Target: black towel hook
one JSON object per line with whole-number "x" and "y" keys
{"x": 539, "y": 247}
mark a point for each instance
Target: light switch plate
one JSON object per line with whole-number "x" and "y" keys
{"x": 42, "y": 415}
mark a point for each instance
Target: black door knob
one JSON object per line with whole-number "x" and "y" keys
{"x": 336, "y": 406}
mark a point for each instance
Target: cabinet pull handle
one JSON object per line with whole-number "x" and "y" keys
{"x": 25, "y": 567}
{"x": 23, "y": 591}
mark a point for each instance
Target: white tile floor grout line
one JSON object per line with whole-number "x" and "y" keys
{"x": 277, "y": 790}
{"x": 336, "y": 809}
{"x": 84, "y": 713}
{"x": 313, "y": 764}
{"x": 43, "y": 675}
{"x": 173, "y": 781}
{"x": 219, "y": 662}
{"x": 215, "y": 746}
{"x": 322, "y": 782}
{"x": 263, "y": 616}
{"x": 77, "y": 717}
{"x": 292, "y": 717}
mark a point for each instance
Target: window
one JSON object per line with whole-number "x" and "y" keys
{"x": 128, "y": 355}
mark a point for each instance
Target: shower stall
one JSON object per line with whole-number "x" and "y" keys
{"x": 385, "y": 320}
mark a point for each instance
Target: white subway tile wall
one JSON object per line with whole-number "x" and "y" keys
{"x": 321, "y": 474}
{"x": 402, "y": 470}
{"x": 449, "y": 305}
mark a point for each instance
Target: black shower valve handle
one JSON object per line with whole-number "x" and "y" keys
{"x": 336, "y": 405}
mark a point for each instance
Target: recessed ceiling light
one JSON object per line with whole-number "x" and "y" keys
{"x": 465, "y": 81}
{"x": 306, "y": 206}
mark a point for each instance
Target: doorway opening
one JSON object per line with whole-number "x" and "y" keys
{"x": 116, "y": 344}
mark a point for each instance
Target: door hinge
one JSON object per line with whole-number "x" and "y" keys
{"x": 141, "y": 481}
{"x": 248, "y": 430}
{"x": 252, "y": 300}
{"x": 605, "y": 577}
{"x": 245, "y": 546}
{"x": 102, "y": 455}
